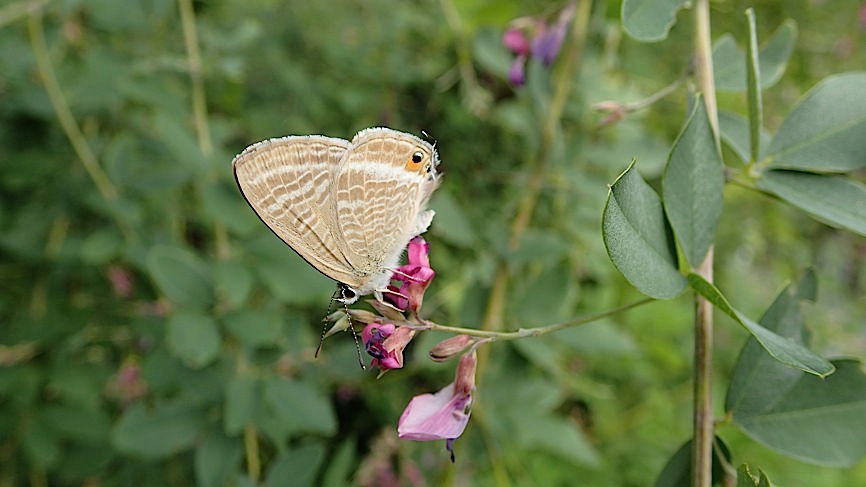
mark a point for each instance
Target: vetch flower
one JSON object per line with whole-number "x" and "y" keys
{"x": 534, "y": 36}
{"x": 444, "y": 415}
{"x": 515, "y": 40}
{"x": 385, "y": 343}
{"x": 446, "y": 349}
{"x": 414, "y": 277}
{"x": 517, "y": 71}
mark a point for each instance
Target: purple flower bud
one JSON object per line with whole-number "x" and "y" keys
{"x": 516, "y": 73}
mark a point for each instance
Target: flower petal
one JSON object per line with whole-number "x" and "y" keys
{"x": 439, "y": 416}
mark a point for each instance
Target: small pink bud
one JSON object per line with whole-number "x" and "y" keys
{"x": 447, "y": 349}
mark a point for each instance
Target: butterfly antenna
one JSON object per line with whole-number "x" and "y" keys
{"x": 325, "y": 326}
{"x": 429, "y": 137}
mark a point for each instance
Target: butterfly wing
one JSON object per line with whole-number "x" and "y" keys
{"x": 380, "y": 191}
{"x": 287, "y": 182}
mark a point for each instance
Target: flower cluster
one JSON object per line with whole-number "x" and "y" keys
{"x": 529, "y": 37}
{"x": 439, "y": 416}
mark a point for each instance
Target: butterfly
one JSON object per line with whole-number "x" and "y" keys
{"x": 349, "y": 208}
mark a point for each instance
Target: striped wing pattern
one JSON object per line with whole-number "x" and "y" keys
{"x": 347, "y": 208}
{"x": 287, "y": 182}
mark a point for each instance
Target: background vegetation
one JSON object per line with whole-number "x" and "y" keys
{"x": 153, "y": 332}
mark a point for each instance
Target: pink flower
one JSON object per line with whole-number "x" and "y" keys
{"x": 515, "y": 40}
{"x": 414, "y": 276}
{"x": 544, "y": 41}
{"x": 516, "y": 73}
{"x": 385, "y": 343}
{"x": 444, "y": 415}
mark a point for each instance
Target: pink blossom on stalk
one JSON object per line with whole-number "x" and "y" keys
{"x": 515, "y": 40}
{"x": 414, "y": 276}
{"x": 385, "y": 343}
{"x": 444, "y": 415}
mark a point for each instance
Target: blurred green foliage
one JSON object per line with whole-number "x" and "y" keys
{"x": 153, "y": 332}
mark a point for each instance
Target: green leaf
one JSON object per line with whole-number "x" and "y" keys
{"x": 450, "y": 221}
{"x": 678, "y": 470}
{"x": 273, "y": 261}
{"x": 692, "y": 186}
{"x": 782, "y": 349}
{"x": 157, "y": 433}
{"x": 297, "y": 467}
{"x": 254, "y": 328}
{"x": 193, "y": 338}
{"x": 649, "y": 20}
{"x": 40, "y": 444}
{"x": 753, "y": 89}
{"x": 816, "y": 421}
{"x": 824, "y": 132}
{"x": 339, "y": 468}
{"x": 217, "y": 459}
{"x": 730, "y": 64}
{"x": 181, "y": 276}
{"x": 233, "y": 282}
{"x": 557, "y": 435}
{"x": 759, "y": 381}
{"x": 638, "y": 238}
{"x": 835, "y": 200}
{"x": 222, "y": 204}
{"x": 735, "y": 132}
{"x": 745, "y": 478}
{"x": 311, "y": 410}
{"x": 241, "y": 398}
{"x": 792, "y": 412}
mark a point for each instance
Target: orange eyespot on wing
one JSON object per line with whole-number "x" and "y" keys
{"x": 416, "y": 161}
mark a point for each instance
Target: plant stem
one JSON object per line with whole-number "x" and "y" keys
{"x": 199, "y": 105}
{"x": 69, "y": 125}
{"x": 702, "y": 453}
{"x": 533, "y": 332}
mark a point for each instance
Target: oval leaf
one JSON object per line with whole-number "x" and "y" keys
{"x": 835, "y": 200}
{"x": 782, "y": 349}
{"x": 816, "y": 421}
{"x": 649, "y": 20}
{"x": 193, "y": 338}
{"x": 159, "y": 433}
{"x": 730, "y": 64}
{"x": 692, "y": 186}
{"x": 638, "y": 238}
{"x": 180, "y": 275}
{"x": 825, "y": 131}
{"x": 217, "y": 459}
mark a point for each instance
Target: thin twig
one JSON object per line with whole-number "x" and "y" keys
{"x": 69, "y": 125}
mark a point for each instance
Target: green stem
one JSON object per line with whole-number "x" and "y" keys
{"x": 564, "y": 82}
{"x": 199, "y": 105}
{"x": 702, "y": 453}
{"x": 532, "y": 332}
{"x": 69, "y": 125}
